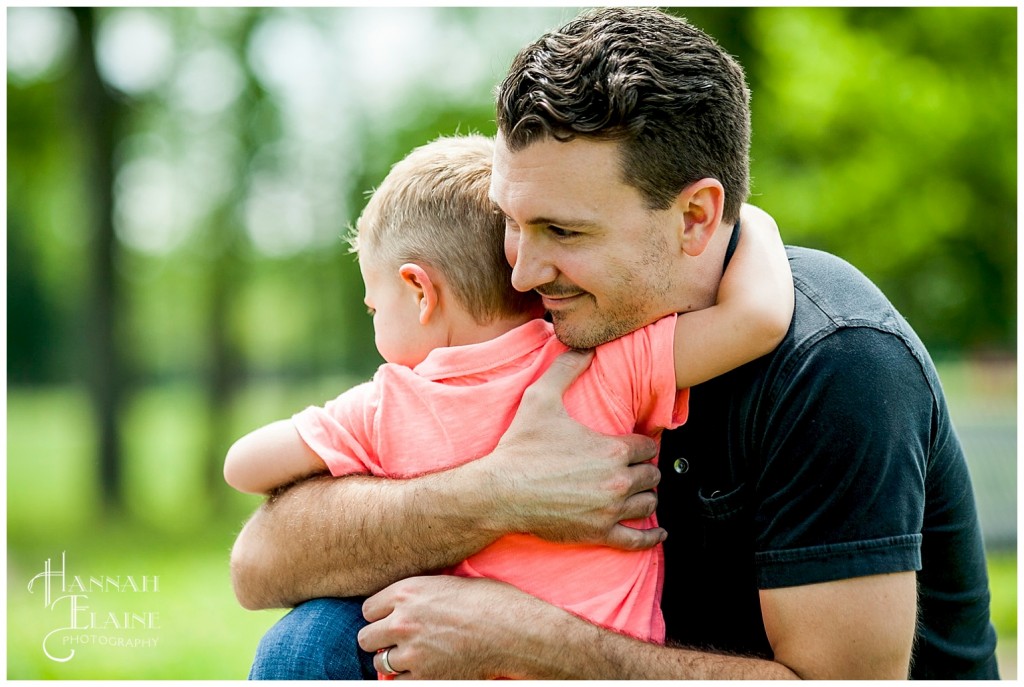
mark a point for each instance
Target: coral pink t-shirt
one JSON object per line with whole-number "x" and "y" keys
{"x": 454, "y": 407}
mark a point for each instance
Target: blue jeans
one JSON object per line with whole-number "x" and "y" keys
{"x": 315, "y": 641}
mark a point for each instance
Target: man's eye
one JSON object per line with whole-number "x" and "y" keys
{"x": 560, "y": 232}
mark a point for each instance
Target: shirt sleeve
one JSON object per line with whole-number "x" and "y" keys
{"x": 641, "y": 367}
{"x": 841, "y": 493}
{"x": 341, "y": 432}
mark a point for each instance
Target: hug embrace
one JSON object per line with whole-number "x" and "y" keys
{"x": 622, "y": 431}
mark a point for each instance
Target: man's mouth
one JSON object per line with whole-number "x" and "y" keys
{"x": 560, "y": 301}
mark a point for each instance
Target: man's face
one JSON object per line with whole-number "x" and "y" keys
{"x": 581, "y": 237}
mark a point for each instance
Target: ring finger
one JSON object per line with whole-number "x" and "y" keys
{"x": 384, "y": 662}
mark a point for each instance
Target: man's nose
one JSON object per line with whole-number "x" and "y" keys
{"x": 530, "y": 268}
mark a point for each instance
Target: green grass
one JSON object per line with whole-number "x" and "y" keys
{"x": 178, "y": 525}
{"x": 1002, "y": 571}
{"x": 200, "y": 631}
{"x": 173, "y": 527}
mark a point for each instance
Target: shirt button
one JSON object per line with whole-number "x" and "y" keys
{"x": 681, "y": 466}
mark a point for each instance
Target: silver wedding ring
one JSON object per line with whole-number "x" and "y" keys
{"x": 388, "y": 670}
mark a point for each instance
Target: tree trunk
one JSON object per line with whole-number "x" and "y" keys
{"x": 99, "y": 118}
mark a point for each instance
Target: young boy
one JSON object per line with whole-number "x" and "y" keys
{"x": 462, "y": 346}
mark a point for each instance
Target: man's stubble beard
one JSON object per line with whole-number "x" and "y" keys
{"x": 644, "y": 282}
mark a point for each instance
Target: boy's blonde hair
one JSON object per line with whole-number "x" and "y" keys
{"x": 433, "y": 208}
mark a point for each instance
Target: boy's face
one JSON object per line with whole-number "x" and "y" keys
{"x": 397, "y": 334}
{"x": 581, "y": 237}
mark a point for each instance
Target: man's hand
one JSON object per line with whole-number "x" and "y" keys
{"x": 453, "y": 628}
{"x": 557, "y": 479}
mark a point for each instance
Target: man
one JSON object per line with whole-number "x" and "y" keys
{"x": 820, "y": 513}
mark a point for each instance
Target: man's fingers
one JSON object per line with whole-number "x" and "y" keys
{"x": 643, "y": 477}
{"x": 631, "y": 539}
{"x": 378, "y": 606}
{"x": 639, "y": 506}
{"x": 373, "y": 637}
{"x": 639, "y": 449}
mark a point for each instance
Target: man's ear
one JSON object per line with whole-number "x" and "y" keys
{"x": 423, "y": 289}
{"x": 701, "y": 203}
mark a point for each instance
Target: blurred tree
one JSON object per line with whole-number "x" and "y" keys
{"x": 888, "y": 136}
{"x": 44, "y": 273}
{"x": 31, "y": 327}
{"x": 226, "y": 366}
{"x": 100, "y": 120}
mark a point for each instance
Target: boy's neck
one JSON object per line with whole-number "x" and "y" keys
{"x": 467, "y": 331}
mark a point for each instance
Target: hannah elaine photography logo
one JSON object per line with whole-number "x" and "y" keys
{"x": 82, "y": 607}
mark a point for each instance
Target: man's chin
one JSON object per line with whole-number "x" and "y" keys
{"x": 577, "y": 330}
{"x": 578, "y": 337}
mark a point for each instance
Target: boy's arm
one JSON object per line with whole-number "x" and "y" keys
{"x": 270, "y": 457}
{"x": 752, "y": 312}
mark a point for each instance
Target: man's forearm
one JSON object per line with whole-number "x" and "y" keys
{"x": 572, "y": 648}
{"x": 447, "y": 628}
{"x": 614, "y": 656}
{"x": 352, "y": 536}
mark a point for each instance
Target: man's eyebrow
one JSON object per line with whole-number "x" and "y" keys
{"x": 567, "y": 223}
{"x": 538, "y": 221}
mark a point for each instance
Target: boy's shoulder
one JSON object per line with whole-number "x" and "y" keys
{"x": 659, "y": 330}
{"x": 644, "y": 351}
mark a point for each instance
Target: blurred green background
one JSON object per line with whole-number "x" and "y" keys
{"x": 178, "y": 182}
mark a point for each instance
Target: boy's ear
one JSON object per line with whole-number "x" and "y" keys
{"x": 702, "y": 203}
{"x": 423, "y": 289}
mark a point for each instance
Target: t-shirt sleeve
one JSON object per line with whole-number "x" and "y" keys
{"x": 341, "y": 432}
{"x": 643, "y": 362}
{"x": 841, "y": 493}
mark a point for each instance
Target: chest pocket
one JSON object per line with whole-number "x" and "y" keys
{"x": 724, "y": 524}
{"x": 710, "y": 595}
{"x": 704, "y": 495}
{"x": 706, "y": 506}
{"x": 721, "y": 506}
